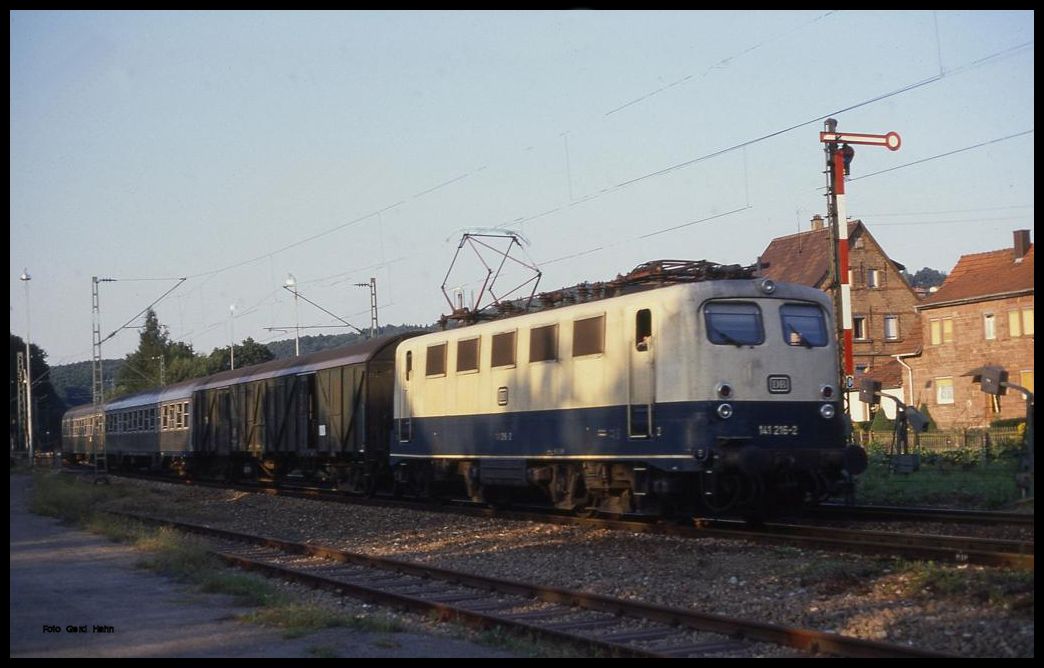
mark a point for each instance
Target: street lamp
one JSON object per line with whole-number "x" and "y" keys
{"x": 232, "y": 340}
{"x": 291, "y": 283}
{"x": 25, "y": 277}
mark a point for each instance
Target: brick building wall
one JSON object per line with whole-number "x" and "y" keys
{"x": 885, "y": 318}
{"x": 956, "y": 339}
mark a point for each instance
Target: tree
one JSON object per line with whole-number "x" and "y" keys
{"x": 927, "y": 278}
{"x": 247, "y": 353}
{"x": 148, "y": 366}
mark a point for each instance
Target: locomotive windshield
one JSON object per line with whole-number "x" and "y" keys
{"x": 803, "y": 325}
{"x": 734, "y": 323}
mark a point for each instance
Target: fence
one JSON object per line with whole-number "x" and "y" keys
{"x": 941, "y": 441}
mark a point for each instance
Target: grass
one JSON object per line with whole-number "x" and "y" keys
{"x": 185, "y": 558}
{"x": 956, "y": 479}
{"x": 1009, "y": 589}
{"x": 296, "y": 620}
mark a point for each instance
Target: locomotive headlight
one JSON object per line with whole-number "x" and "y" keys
{"x": 827, "y": 391}
{"x": 725, "y": 411}
{"x": 827, "y": 411}
{"x": 724, "y": 390}
{"x": 768, "y": 286}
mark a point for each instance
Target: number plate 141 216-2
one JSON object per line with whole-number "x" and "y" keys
{"x": 777, "y": 430}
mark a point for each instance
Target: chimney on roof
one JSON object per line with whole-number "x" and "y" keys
{"x": 817, "y": 223}
{"x": 1022, "y": 243}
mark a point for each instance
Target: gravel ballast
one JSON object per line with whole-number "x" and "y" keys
{"x": 965, "y": 610}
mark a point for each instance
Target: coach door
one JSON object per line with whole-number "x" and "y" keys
{"x": 641, "y": 372}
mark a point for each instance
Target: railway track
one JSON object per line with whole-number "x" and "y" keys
{"x": 615, "y": 627}
{"x": 899, "y": 514}
{"x": 1017, "y": 554}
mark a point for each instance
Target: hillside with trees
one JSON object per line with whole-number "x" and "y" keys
{"x": 160, "y": 361}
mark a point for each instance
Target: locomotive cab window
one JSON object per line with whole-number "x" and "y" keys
{"x": 642, "y": 329}
{"x": 435, "y": 360}
{"x": 803, "y": 325}
{"x": 734, "y": 323}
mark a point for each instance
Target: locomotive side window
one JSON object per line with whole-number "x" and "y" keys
{"x": 409, "y": 364}
{"x": 589, "y": 336}
{"x": 503, "y": 349}
{"x": 543, "y": 343}
{"x": 468, "y": 355}
{"x": 803, "y": 325}
{"x": 734, "y": 323}
{"x": 435, "y": 360}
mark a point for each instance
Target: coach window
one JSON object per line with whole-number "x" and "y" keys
{"x": 543, "y": 343}
{"x": 409, "y": 365}
{"x": 468, "y": 355}
{"x": 803, "y": 325}
{"x": 734, "y": 323}
{"x": 435, "y": 360}
{"x": 503, "y": 349}
{"x": 589, "y": 336}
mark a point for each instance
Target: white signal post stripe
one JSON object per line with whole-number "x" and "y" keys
{"x": 892, "y": 141}
{"x": 842, "y": 254}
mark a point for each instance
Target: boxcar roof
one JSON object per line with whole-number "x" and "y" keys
{"x": 355, "y": 353}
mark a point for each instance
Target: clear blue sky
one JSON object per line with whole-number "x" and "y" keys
{"x": 237, "y": 147}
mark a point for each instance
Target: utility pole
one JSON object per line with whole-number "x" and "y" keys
{"x": 839, "y": 160}
{"x": 374, "y": 326}
{"x": 28, "y": 374}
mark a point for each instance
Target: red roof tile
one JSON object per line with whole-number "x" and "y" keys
{"x": 983, "y": 275}
{"x": 802, "y": 258}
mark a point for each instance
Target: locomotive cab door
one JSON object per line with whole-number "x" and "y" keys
{"x": 641, "y": 375}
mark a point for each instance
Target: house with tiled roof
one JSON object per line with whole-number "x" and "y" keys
{"x": 886, "y": 323}
{"x": 981, "y": 315}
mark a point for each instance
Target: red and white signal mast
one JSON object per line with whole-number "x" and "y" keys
{"x": 839, "y": 156}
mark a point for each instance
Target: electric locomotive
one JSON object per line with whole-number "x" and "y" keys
{"x": 682, "y": 387}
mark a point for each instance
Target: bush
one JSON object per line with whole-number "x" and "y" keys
{"x": 881, "y": 421}
{"x": 1009, "y": 422}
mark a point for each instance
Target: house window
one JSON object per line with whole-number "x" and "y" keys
{"x": 989, "y": 326}
{"x": 435, "y": 360}
{"x": 873, "y": 278}
{"x": 1014, "y": 324}
{"x": 1026, "y": 379}
{"x": 1027, "y": 321}
{"x": 944, "y": 390}
{"x": 543, "y": 343}
{"x": 891, "y": 327}
{"x": 942, "y": 330}
{"x": 589, "y": 336}
{"x": 859, "y": 331}
{"x": 503, "y": 353}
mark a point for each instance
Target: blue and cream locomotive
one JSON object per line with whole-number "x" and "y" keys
{"x": 715, "y": 395}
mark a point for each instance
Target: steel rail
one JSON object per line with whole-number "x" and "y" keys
{"x": 748, "y": 630}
